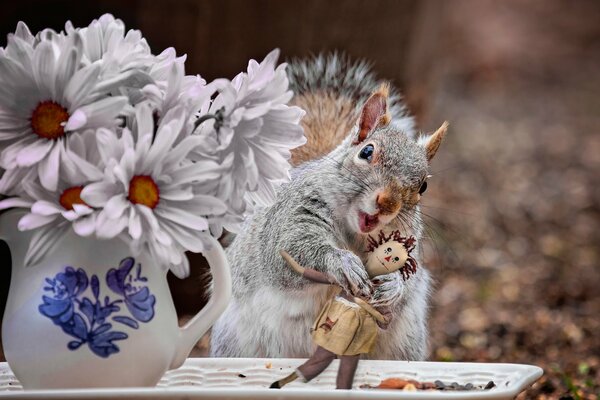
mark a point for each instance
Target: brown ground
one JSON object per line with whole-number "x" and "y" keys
{"x": 515, "y": 196}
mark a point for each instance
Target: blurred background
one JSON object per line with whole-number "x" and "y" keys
{"x": 513, "y": 209}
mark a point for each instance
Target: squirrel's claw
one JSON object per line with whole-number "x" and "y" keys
{"x": 388, "y": 290}
{"x": 355, "y": 277}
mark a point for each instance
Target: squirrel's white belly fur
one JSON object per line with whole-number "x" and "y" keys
{"x": 280, "y": 329}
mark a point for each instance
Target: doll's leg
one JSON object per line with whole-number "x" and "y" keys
{"x": 316, "y": 364}
{"x": 346, "y": 371}
{"x": 320, "y": 359}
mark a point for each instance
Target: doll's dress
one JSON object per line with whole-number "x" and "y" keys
{"x": 345, "y": 327}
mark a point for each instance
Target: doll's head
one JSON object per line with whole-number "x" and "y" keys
{"x": 391, "y": 253}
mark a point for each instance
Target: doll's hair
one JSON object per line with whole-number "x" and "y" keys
{"x": 410, "y": 266}
{"x": 395, "y": 236}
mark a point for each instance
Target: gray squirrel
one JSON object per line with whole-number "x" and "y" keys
{"x": 362, "y": 169}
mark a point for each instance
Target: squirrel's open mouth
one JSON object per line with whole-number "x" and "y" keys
{"x": 367, "y": 222}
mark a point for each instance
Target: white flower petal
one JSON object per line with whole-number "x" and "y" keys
{"x": 85, "y": 226}
{"x": 132, "y": 78}
{"x": 32, "y": 221}
{"x": 103, "y": 112}
{"x": 197, "y": 172}
{"x": 155, "y": 231}
{"x": 42, "y": 207}
{"x": 144, "y": 121}
{"x": 48, "y": 169}
{"x": 8, "y": 157}
{"x": 34, "y": 152}
{"x": 191, "y": 242}
{"x": 11, "y": 72}
{"x": 179, "y": 270}
{"x": 174, "y": 193}
{"x": 202, "y": 205}
{"x": 97, "y": 194}
{"x": 15, "y": 202}
{"x": 76, "y": 120}
{"x": 80, "y": 85}
{"x": 135, "y": 224}
{"x": 167, "y": 133}
{"x": 70, "y": 215}
{"x": 182, "y": 217}
{"x": 77, "y": 169}
{"x": 12, "y": 180}
{"x": 43, "y": 69}
{"x": 23, "y": 32}
{"x": 19, "y": 49}
{"x": 107, "y": 228}
{"x": 66, "y": 66}
{"x": 108, "y": 144}
{"x": 37, "y": 192}
{"x": 116, "y": 206}
{"x": 82, "y": 209}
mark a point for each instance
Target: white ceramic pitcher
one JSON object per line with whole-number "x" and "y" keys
{"x": 91, "y": 315}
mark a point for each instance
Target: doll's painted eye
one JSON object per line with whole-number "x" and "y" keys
{"x": 389, "y": 249}
{"x": 396, "y": 258}
{"x": 367, "y": 152}
{"x": 423, "y": 188}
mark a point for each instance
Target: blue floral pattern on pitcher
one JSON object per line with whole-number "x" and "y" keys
{"x": 89, "y": 320}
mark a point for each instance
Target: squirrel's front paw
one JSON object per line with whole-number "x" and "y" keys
{"x": 388, "y": 290}
{"x": 354, "y": 277}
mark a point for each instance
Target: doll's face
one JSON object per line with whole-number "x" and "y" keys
{"x": 387, "y": 258}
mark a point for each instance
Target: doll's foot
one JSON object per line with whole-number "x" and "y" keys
{"x": 282, "y": 382}
{"x": 275, "y": 385}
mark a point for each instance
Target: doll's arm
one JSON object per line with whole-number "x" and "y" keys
{"x": 371, "y": 310}
{"x": 308, "y": 273}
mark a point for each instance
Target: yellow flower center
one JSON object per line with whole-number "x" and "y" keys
{"x": 47, "y": 120}
{"x": 143, "y": 190}
{"x": 71, "y": 196}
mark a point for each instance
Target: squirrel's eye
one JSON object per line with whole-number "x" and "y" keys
{"x": 423, "y": 188}
{"x": 367, "y": 152}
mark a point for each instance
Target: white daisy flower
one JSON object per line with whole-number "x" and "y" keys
{"x": 151, "y": 195}
{"x": 46, "y": 96}
{"x": 251, "y": 134}
{"x": 125, "y": 56}
{"x": 52, "y": 213}
{"x": 105, "y": 39}
{"x": 173, "y": 88}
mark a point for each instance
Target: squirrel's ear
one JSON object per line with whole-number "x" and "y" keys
{"x": 374, "y": 113}
{"x": 432, "y": 143}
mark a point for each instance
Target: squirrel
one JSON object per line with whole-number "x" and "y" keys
{"x": 362, "y": 169}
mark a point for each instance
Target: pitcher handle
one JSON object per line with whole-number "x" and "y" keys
{"x": 205, "y": 318}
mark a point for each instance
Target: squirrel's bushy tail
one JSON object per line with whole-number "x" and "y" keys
{"x": 332, "y": 88}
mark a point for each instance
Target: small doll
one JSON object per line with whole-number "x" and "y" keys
{"x": 347, "y": 326}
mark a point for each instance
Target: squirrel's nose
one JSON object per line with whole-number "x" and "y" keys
{"x": 387, "y": 258}
{"x": 387, "y": 202}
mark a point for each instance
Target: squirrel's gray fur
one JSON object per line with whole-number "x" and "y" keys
{"x": 315, "y": 220}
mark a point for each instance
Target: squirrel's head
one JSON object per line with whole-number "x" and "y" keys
{"x": 387, "y": 169}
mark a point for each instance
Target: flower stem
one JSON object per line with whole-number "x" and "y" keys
{"x": 218, "y": 116}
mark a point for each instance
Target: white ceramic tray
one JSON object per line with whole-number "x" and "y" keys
{"x": 219, "y": 378}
